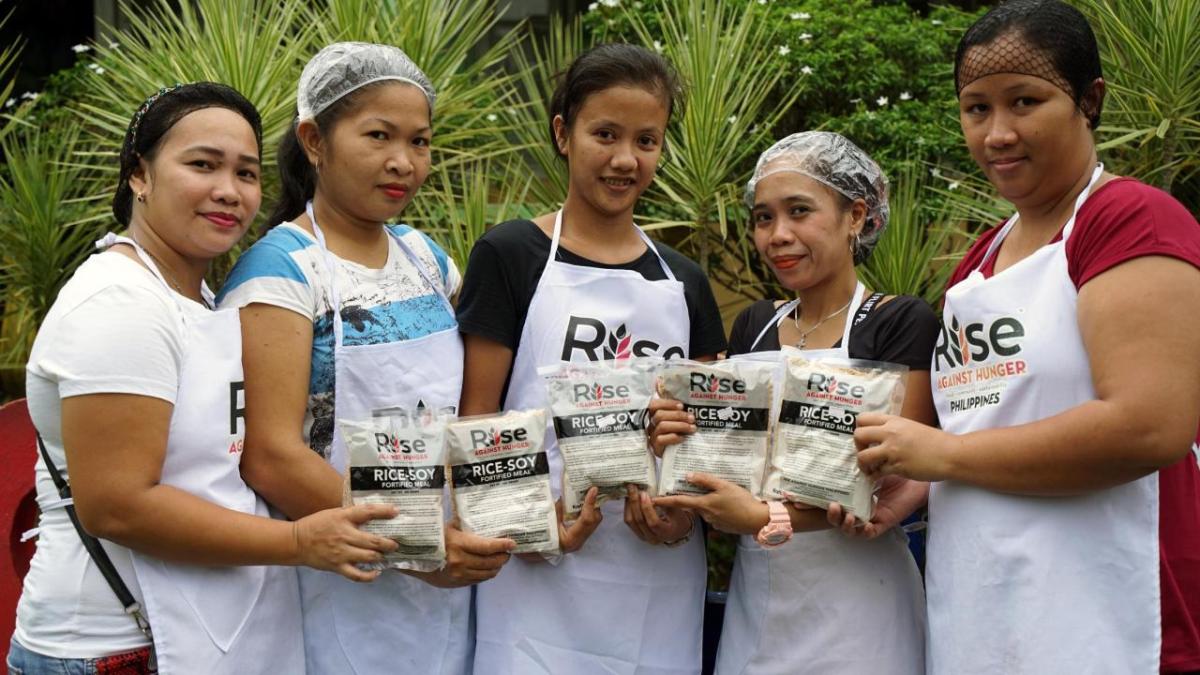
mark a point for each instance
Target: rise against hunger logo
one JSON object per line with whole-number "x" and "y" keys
{"x": 599, "y": 343}
{"x": 973, "y": 363}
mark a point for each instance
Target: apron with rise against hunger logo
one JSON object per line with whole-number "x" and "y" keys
{"x": 618, "y": 605}
{"x": 1023, "y": 584}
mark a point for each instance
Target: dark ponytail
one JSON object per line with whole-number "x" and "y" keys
{"x": 297, "y": 175}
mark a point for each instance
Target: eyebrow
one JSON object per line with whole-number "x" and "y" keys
{"x": 214, "y": 152}
{"x": 790, "y": 199}
{"x": 606, "y": 122}
{"x": 390, "y": 126}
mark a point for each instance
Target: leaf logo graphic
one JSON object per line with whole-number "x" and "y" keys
{"x": 599, "y": 392}
{"x": 962, "y": 346}
{"x": 831, "y": 385}
{"x": 712, "y": 383}
{"x": 495, "y": 437}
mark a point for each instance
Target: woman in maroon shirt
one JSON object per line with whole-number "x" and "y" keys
{"x": 1065, "y": 509}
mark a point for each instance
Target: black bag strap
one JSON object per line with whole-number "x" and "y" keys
{"x": 865, "y": 308}
{"x": 95, "y": 550}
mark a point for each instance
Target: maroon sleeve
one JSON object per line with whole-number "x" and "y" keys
{"x": 973, "y": 257}
{"x": 1127, "y": 219}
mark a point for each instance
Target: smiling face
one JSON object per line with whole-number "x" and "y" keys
{"x": 612, "y": 148}
{"x": 803, "y": 230}
{"x": 376, "y": 155}
{"x": 1028, "y": 136}
{"x": 201, "y": 185}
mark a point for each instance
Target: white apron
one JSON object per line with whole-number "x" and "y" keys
{"x": 215, "y": 619}
{"x": 397, "y": 623}
{"x": 803, "y": 607}
{"x": 617, "y": 606}
{"x": 1021, "y": 584}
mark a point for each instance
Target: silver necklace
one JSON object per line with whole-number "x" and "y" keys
{"x": 805, "y": 333}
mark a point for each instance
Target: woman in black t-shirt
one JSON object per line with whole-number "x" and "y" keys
{"x": 822, "y": 602}
{"x": 585, "y": 284}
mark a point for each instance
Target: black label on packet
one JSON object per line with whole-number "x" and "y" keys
{"x": 818, "y": 417}
{"x": 397, "y": 478}
{"x": 500, "y": 469}
{"x": 594, "y": 423}
{"x": 729, "y": 418}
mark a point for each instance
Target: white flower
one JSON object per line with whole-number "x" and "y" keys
{"x": 784, "y": 50}
{"x": 113, "y": 45}
{"x": 637, "y": 5}
{"x": 658, "y": 46}
{"x": 935, "y": 172}
{"x": 807, "y": 70}
{"x": 30, "y": 95}
{"x": 492, "y": 117}
{"x": 592, "y": 7}
{"x": 806, "y": 36}
{"x": 512, "y": 112}
{"x": 905, "y": 96}
{"x": 762, "y": 2}
{"x": 79, "y": 49}
{"x": 10, "y": 103}
{"x": 802, "y": 16}
{"x": 99, "y": 70}
{"x": 611, "y": 3}
{"x": 93, "y": 66}
{"x": 881, "y": 101}
{"x": 953, "y": 185}
{"x": 732, "y": 119}
{"x": 936, "y": 22}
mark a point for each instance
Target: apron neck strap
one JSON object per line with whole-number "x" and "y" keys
{"x": 1067, "y": 229}
{"x": 853, "y": 315}
{"x": 335, "y": 296}
{"x": 649, "y": 244}
{"x": 111, "y": 239}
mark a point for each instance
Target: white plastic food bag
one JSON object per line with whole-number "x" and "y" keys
{"x": 399, "y": 459}
{"x": 600, "y": 412}
{"x": 731, "y": 401}
{"x": 814, "y": 460}
{"x": 500, "y": 479}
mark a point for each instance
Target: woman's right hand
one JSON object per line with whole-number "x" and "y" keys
{"x": 470, "y": 559}
{"x": 669, "y": 424}
{"x": 331, "y": 540}
{"x": 572, "y": 537}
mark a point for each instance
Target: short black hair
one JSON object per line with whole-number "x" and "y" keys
{"x": 611, "y": 65}
{"x": 158, "y": 114}
{"x": 1054, "y": 28}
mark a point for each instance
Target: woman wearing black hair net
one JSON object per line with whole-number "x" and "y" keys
{"x": 1067, "y": 383}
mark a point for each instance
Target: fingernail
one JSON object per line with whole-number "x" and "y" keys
{"x": 693, "y": 427}
{"x": 645, "y": 498}
{"x": 691, "y": 417}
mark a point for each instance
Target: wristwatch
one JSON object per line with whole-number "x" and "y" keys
{"x": 778, "y": 530}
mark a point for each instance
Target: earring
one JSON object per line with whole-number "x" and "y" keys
{"x": 141, "y": 197}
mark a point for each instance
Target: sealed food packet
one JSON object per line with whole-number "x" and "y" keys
{"x": 814, "y": 460}
{"x": 731, "y": 401}
{"x": 399, "y": 459}
{"x": 600, "y": 412}
{"x": 500, "y": 479}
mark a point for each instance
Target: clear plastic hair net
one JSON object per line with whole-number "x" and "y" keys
{"x": 831, "y": 159}
{"x": 343, "y": 67}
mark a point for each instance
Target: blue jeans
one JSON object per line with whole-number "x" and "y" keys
{"x": 22, "y": 661}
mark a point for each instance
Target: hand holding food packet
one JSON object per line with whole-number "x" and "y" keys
{"x": 600, "y": 412}
{"x": 731, "y": 402}
{"x": 399, "y": 459}
{"x": 501, "y": 479}
{"x": 814, "y": 460}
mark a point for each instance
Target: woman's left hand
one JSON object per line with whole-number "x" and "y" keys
{"x": 727, "y": 507}
{"x": 893, "y": 445}
{"x": 653, "y": 525}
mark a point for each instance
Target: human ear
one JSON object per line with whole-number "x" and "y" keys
{"x": 140, "y": 180}
{"x": 1092, "y": 101}
{"x": 561, "y": 134}
{"x": 311, "y": 141}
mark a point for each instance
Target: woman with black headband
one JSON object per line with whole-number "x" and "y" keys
{"x": 134, "y": 386}
{"x": 1067, "y": 381}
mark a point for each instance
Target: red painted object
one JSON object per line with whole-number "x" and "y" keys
{"x": 18, "y": 509}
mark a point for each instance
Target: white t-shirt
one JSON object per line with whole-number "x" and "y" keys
{"x": 115, "y": 328}
{"x": 287, "y": 268}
